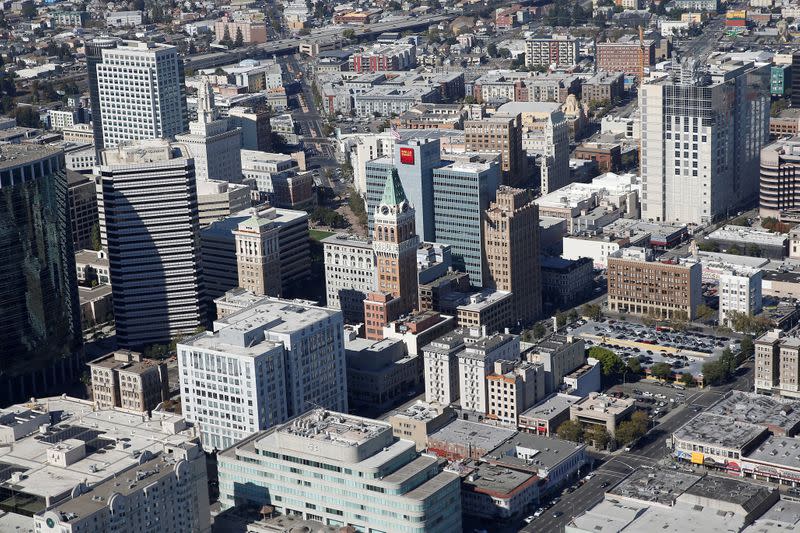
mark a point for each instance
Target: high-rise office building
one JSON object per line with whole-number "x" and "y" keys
{"x": 462, "y": 191}
{"x": 511, "y": 251}
{"x": 82, "y": 208}
{"x": 414, "y": 161}
{"x": 149, "y": 225}
{"x": 779, "y": 179}
{"x": 39, "y": 310}
{"x": 94, "y": 55}
{"x": 258, "y": 255}
{"x": 279, "y": 358}
{"x": 139, "y": 89}
{"x": 702, "y": 132}
{"x": 395, "y": 242}
{"x": 349, "y": 274}
{"x": 254, "y": 126}
{"x": 214, "y": 144}
{"x": 343, "y": 471}
{"x": 501, "y": 134}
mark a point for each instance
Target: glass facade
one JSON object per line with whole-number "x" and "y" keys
{"x": 39, "y": 308}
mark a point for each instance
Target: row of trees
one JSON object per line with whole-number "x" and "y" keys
{"x": 226, "y": 40}
{"x": 724, "y": 368}
{"x": 597, "y": 435}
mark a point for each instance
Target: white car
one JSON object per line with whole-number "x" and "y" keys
{"x": 528, "y": 519}
{"x": 538, "y": 512}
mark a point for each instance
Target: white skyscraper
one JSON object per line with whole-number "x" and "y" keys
{"x": 141, "y": 92}
{"x": 214, "y": 144}
{"x": 262, "y": 365}
{"x": 702, "y": 132}
{"x": 149, "y": 225}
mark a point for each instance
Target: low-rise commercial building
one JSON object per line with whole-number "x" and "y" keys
{"x": 544, "y": 418}
{"x": 495, "y": 492}
{"x": 419, "y": 420}
{"x": 555, "y": 461}
{"x": 566, "y": 283}
{"x": 464, "y": 439}
{"x": 602, "y": 410}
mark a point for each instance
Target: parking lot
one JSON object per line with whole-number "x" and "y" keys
{"x": 684, "y": 351}
{"x": 655, "y": 398}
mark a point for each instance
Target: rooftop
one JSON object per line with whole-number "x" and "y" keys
{"x": 782, "y": 451}
{"x": 113, "y": 441}
{"x": 723, "y": 431}
{"x": 655, "y": 485}
{"x": 483, "y": 299}
{"x": 497, "y": 480}
{"x": 603, "y": 403}
{"x": 335, "y": 428}
{"x": 551, "y": 407}
{"x": 475, "y": 434}
{"x": 12, "y": 155}
{"x": 748, "y": 235}
{"x": 767, "y": 411}
{"x": 420, "y": 411}
{"x": 530, "y": 452}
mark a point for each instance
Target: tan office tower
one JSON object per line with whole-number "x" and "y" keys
{"x": 511, "y": 251}
{"x": 258, "y": 256}
{"x": 500, "y": 134}
{"x": 395, "y": 242}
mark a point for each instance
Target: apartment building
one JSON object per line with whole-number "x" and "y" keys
{"x": 513, "y": 387}
{"x": 501, "y": 134}
{"x": 739, "y": 291}
{"x": 272, "y": 360}
{"x": 558, "y": 50}
{"x": 125, "y": 380}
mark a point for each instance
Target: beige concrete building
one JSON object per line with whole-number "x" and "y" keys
{"x": 602, "y": 410}
{"x": 258, "y": 256}
{"x": 489, "y": 309}
{"x": 420, "y": 420}
{"x": 559, "y": 354}
{"x": 500, "y": 134}
{"x": 513, "y": 387}
{"x": 219, "y": 199}
{"x": 640, "y": 286}
{"x": 511, "y": 251}
{"x": 777, "y": 370}
{"x": 125, "y": 380}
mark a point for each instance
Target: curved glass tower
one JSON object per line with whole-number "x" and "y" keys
{"x": 39, "y": 310}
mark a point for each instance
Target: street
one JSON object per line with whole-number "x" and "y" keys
{"x": 651, "y": 449}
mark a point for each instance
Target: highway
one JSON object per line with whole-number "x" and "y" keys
{"x": 651, "y": 450}
{"x": 333, "y": 34}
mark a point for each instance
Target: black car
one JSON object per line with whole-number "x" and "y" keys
{"x": 557, "y": 514}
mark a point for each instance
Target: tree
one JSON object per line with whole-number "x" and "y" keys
{"x": 356, "y": 204}
{"x": 661, "y": 370}
{"x": 704, "y": 312}
{"x": 491, "y": 50}
{"x": 687, "y": 379}
{"x": 745, "y": 323}
{"x": 598, "y": 436}
{"x": 633, "y": 366}
{"x": 348, "y": 34}
{"x": 239, "y": 41}
{"x": 747, "y": 347}
{"x": 96, "y": 240}
{"x": 539, "y": 331}
{"x": 226, "y": 37}
{"x": 716, "y": 372}
{"x": 27, "y": 116}
{"x": 593, "y": 311}
{"x": 469, "y": 99}
{"x": 573, "y": 315}
{"x": 610, "y": 363}
{"x": 571, "y": 430}
{"x": 627, "y": 432}
{"x": 640, "y": 421}
{"x": 28, "y": 10}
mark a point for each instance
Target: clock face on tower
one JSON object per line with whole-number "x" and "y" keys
{"x": 385, "y": 210}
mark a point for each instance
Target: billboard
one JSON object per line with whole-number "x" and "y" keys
{"x": 406, "y": 156}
